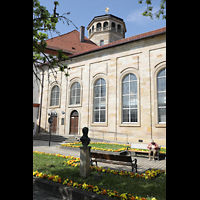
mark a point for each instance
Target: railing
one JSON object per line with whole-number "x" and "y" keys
{"x": 108, "y": 28}
{"x": 107, "y": 135}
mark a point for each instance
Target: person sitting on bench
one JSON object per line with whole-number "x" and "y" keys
{"x": 153, "y": 147}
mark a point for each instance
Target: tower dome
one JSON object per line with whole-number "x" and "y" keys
{"x": 105, "y": 29}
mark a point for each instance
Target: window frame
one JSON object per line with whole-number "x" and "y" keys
{"x": 50, "y": 99}
{"x": 75, "y": 94}
{"x": 74, "y": 80}
{"x": 158, "y": 68}
{"x": 123, "y": 75}
{"x": 93, "y": 82}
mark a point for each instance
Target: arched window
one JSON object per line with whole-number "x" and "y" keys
{"x": 55, "y": 93}
{"x": 98, "y": 26}
{"x": 113, "y": 24}
{"x": 99, "y": 103}
{"x": 105, "y": 25}
{"x": 118, "y": 28}
{"x": 75, "y": 94}
{"x": 161, "y": 94}
{"x": 129, "y": 99}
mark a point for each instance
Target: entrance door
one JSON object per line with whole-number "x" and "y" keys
{"x": 54, "y": 125}
{"x": 74, "y": 123}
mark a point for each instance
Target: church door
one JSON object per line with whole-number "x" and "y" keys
{"x": 54, "y": 125}
{"x": 74, "y": 123}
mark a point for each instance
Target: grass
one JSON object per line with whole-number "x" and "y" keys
{"x": 49, "y": 164}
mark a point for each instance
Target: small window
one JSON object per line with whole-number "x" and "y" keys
{"x": 55, "y": 93}
{"x": 101, "y": 42}
{"x": 75, "y": 94}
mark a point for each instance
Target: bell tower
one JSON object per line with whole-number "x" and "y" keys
{"x": 105, "y": 29}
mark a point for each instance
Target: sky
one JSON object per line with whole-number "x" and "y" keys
{"x": 83, "y": 11}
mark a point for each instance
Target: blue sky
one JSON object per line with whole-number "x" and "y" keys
{"x": 83, "y": 11}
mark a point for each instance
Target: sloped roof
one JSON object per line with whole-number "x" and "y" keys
{"x": 70, "y": 43}
{"x": 123, "y": 41}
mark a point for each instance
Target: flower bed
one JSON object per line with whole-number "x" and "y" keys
{"x": 75, "y": 162}
{"x": 109, "y": 146}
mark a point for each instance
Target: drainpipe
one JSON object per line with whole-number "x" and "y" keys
{"x": 41, "y": 99}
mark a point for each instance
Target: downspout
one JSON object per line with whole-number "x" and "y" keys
{"x": 150, "y": 95}
{"x": 41, "y": 99}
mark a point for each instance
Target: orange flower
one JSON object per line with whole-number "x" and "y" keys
{"x": 103, "y": 192}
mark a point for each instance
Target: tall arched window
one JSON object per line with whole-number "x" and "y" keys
{"x": 161, "y": 94}
{"x": 129, "y": 99}
{"x": 55, "y": 93}
{"x": 75, "y": 93}
{"x": 99, "y": 114}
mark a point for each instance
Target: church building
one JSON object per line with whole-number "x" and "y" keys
{"x": 116, "y": 87}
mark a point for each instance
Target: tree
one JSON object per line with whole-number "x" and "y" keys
{"x": 157, "y": 14}
{"x": 43, "y": 21}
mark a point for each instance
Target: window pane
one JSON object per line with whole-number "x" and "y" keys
{"x": 125, "y": 101}
{"x": 162, "y": 84}
{"x": 96, "y": 103}
{"x": 133, "y": 77}
{"x": 102, "y": 103}
{"x": 133, "y": 115}
{"x": 77, "y": 100}
{"x": 103, "y": 82}
{"x": 125, "y": 88}
{"x": 162, "y": 114}
{"x": 126, "y": 78}
{"x": 162, "y": 73}
{"x": 78, "y": 92}
{"x": 126, "y": 115}
{"x": 133, "y": 87}
{"x": 103, "y": 91}
{"x": 96, "y": 116}
{"x": 96, "y": 91}
{"x": 102, "y": 116}
{"x": 161, "y": 99}
{"x": 97, "y": 82}
{"x": 133, "y": 101}
{"x": 72, "y": 101}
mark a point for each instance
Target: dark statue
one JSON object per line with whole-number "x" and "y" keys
{"x": 85, "y": 139}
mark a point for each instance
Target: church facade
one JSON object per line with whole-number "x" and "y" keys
{"x": 116, "y": 87}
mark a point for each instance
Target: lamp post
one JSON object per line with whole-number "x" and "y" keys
{"x": 50, "y": 120}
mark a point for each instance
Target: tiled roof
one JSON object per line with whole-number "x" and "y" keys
{"x": 70, "y": 43}
{"x": 73, "y": 47}
{"x": 123, "y": 41}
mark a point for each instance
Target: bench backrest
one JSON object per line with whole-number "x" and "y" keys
{"x": 111, "y": 157}
{"x": 139, "y": 146}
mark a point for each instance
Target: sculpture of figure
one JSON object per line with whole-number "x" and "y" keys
{"x": 85, "y": 139}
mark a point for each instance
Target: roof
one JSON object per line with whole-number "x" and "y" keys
{"x": 102, "y": 17}
{"x": 70, "y": 43}
{"x": 123, "y": 41}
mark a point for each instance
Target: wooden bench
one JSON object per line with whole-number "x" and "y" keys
{"x": 113, "y": 159}
{"x": 142, "y": 146}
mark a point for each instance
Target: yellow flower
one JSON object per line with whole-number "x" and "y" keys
{"x": 153, "y": 198}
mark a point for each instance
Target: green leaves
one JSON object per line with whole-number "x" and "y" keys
{"x": 158, "y": 13}
{"x": 44, "y": 21}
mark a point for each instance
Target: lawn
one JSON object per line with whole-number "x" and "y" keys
{"x": 153, "y": 187}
